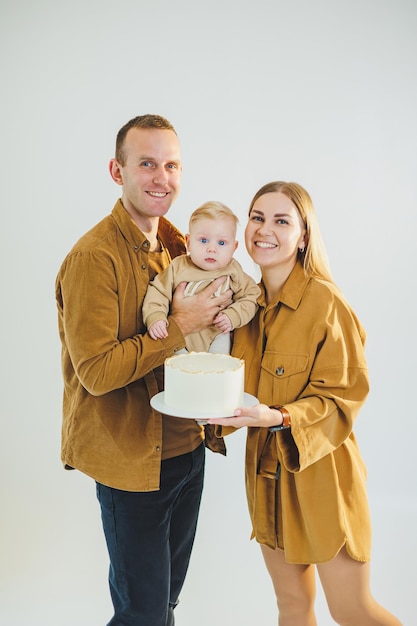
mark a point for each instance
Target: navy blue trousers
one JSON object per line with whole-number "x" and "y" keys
{"x": 149, "y": 538}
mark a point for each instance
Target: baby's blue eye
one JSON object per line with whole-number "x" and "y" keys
{"x": 222, "y": 243}
{"x": 203, "y": 240}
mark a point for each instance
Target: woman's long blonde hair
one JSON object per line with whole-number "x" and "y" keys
{"x": 314, "y": 257}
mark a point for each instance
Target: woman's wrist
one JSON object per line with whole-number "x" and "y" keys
{"x": 286, "y": 419}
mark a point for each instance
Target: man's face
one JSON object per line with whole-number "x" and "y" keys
{"x": 151, "y": 174}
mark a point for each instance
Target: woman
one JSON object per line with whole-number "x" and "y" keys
{"x": 304, "y": 361}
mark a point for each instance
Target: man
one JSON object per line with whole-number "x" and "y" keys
{"x": 148, "y": 468}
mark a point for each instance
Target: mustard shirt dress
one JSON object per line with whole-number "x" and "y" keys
{"x": 306, "y": 486}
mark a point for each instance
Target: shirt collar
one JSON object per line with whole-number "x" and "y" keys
{"x": 170, "y": 236}
{"x": 292, "y": 291}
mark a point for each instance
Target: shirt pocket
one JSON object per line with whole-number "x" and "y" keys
{"x": 283, "y": 377}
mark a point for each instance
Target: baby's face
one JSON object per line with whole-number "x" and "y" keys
{"x": 211, "y": 243}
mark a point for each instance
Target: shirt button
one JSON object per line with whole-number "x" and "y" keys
{"x": 146, "y": 244}
{"x": 279, "y": 371}
{"x": 144, "y": 267}
{"x": 135, "y": 248}
{"x": 157, "y": 448}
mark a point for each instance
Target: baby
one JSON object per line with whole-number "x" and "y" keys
{"x": 211, "y": 243}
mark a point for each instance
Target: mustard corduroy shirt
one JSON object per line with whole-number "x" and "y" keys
{"x": 109, "y": 430}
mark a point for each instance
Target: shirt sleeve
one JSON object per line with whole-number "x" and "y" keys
{"x": 158, "y": 298}
{"x": 90, "y": 314}
{"x": 245, "y": 296}
{"x": 323, "y": 415}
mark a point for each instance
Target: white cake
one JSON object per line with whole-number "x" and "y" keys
{"x": 205, "y": 383}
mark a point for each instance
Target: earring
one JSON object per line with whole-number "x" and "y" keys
{"x": 301, "y": 250}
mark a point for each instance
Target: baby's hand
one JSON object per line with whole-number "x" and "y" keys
{"x": 158, "y": 330}
{"x": 222, "y": 323}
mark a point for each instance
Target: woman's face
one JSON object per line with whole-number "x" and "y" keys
{"x": 275, "y": 231}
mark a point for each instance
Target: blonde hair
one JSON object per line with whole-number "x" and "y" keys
{"x": 314, "y": 257}
{"x": 212, "y": 210}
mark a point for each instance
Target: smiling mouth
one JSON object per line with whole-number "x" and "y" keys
{"x": 157, "y": 194}
{"x": 264, "y": 244}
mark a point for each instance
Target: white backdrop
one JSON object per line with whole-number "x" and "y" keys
{"x": 322, "y": 93}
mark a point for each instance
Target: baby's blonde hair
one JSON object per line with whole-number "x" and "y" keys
{"x": 212, "y": 210}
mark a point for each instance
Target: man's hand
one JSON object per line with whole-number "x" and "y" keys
{"x": 195, "y": 313}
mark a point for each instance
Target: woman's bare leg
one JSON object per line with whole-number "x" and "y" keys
{"x": 346, "y": 584}
{"x": 295, "y": 589}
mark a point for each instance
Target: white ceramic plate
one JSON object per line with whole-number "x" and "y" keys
{"x": 158, "y": 403}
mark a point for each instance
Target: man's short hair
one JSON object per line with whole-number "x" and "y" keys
{"x": 141, "y": 121}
